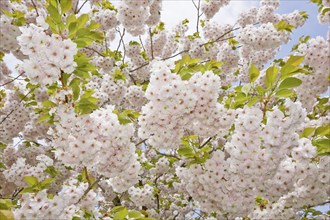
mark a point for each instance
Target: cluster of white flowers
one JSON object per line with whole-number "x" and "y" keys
{"x": 107, "y": 89}
{"x": 294, "y": 18}
{"x": 175, "y": 105}
{"x": 126, "y": 179}
{"x": 96, "y": 140}
{"x": 267, "y": 162}
{"x": 248, "y": 17}
{"x": 229, "y": 57}
{"x": 259, "y": 38}
{"x": 21, "y": 169}
{"x": 317, "y": 56}
{"x": 13, "y": 117}
{"x": 5, "y": 74}
{"x": 65, "y": 205}
{"x": 142, "y": 196}
{"x": 8, "y": 35}
{"x": 48, "y": 55}
{"x": 107, "y": 18}
{"x": 134, "y": 15}
{"x": 134, "y": 98}
{"x": 211, "y": 7}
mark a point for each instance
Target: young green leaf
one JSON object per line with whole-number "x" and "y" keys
{"x": 290, "y": 82}
{"x": 271, "y": 76}
{"x": 253, "y": 72}
{"x": 31, "y": 180}
{"x": 66, "y": 5}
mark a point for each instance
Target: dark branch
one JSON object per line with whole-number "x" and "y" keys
{"x": 12, "y": 80}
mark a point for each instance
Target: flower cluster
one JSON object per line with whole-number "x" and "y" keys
{"x": 134, "y": 15}
{"x": 267, "y": 162}
{"x": 317, "y": 56}
{"x": 175, "y": 105}
{"x": 210, "y": 8}
{"x": 49, "y": 56}
{"x": 96, "y": 140}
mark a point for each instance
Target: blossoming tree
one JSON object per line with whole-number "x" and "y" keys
{"x": 168, "y": 125}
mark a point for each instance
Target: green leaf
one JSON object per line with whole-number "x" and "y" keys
{"x": 82, "y": 20}
{"x": 31, "y": 180}
{"x": 290, "y": 82}
{"x": 86, "y": 103}
{"x": 283, "y": 26}
{"x": 44, "y": 117}
{"x": 253, "y": 72}
{"x": 6, "y": 215}
{"x": 271, "y": 76}
{"x": 284, "y": 93}
{"x": 54, "y": 14}
{"x": 134, "y": 214}
{"x": 46, "y": 183}
{"x": 66, "y": 5}
{"x": 307, "y": 132}
{"x": 295, "y": 60}
{"x": 120, "y": 213}
{"x": 288, "y": 70}
{"x": 323, "y": 130}
{"x": 75, "y": 85}
{"x": 52, "y": 171}
{"x": 323, "y": 146}
{"x": 48, "y": 104}
{"x": 185, "y": 151}
{"x": 253, "y": 101}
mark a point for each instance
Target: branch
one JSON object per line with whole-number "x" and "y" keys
{"x": 141, "y": 43}
{"x": 157, "y": 194}
{"x": 12, "y": 80}
{"x": 143, "y": 65}
{"x": 198, "y": 15}
{"x": 206, "y": 142}
{"x": 35, "y": 7}
{"x": 141, "y": 142}
{"x": 90, "y": 188}
{"x": 121, "y": 39}
{"x": 76, "y": 12}
{"x": 94, "y": 51}
{"x": 168, "y": 155}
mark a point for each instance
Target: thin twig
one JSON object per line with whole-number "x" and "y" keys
{"x": 168, "y": 155}
{"x": 141, "y": 43}
{"x": 206, "y": 142}
{"x": 35, "y": 7}
{"x": 81, "y": 6}
{"x": 12, "y": 80}
{"x": 94, "y": 51}
{"x": 90, "y": 188}
{"x": 132, "y": 78}
{"x": 143, "y": 65}
{"x": 122, "y": 39}
{"x": 158, "y": 192}
{"x": 181, "y": 52}
{"x": 141, "y": 142}
{"x": 198, "y": 15}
